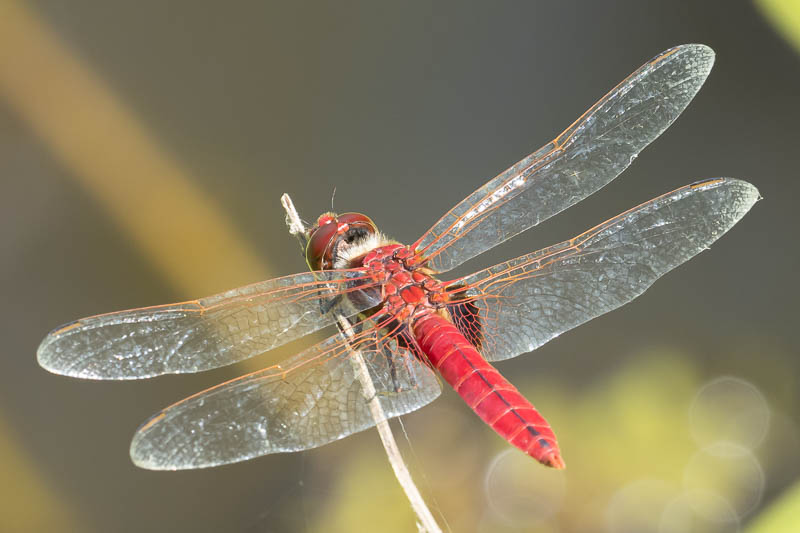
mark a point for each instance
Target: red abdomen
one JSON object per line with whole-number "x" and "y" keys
{"x": 489, "y": 394}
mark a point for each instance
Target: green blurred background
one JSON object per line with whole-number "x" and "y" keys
{"x": 143, "y": 150}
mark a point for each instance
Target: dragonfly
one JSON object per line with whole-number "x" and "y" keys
{"x": 410, "y": 326}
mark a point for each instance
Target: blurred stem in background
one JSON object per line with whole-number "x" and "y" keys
{"x": 112, "y": 156}
{"x": 29, "y": 503}
{"x": 110, "y": 153}
{"x": 783, "y": 516}
{"x": 784, "y": 15}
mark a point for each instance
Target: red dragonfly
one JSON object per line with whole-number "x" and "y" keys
{"x": 406, "y": 323}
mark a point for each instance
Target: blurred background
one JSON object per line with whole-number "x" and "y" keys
{"x": 143, "y": 150}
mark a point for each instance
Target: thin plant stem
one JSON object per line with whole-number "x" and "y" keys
{"x": 425, "y": 520}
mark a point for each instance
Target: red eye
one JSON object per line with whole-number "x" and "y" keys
{"x": 319, "y": 240}
{"x": 354, "y": 218}
{"x": 320, "y": 247}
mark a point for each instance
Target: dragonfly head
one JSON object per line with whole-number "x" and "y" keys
{"x": 334, "y": 235}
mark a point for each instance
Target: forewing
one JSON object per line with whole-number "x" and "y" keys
{"x": 594, "y": 150}
{"x": 527, "y": 301}
{"x": 314, "y": 399}
{"x": 201, "y": 334}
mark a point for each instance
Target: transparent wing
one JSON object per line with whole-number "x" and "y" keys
{"x": 314, "y": 399}
{"x": 527, "y": 301}
{"x": 594, "y": 150}
{"x": 201, "y": 334}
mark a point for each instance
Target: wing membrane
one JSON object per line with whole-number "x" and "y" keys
{"x": 311, "y": 400}
{"x": 200, "y": 334}
{"x": 527, "y": 301}
{"x": 594, "y": 150}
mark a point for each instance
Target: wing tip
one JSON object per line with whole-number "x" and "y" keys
{"x": 146, "y": 463}
{"x": 140, "y": 450}
{"x": 148, "y": 448}
{"x": 144, "y": 456}
{"x": 701, "y": 53}
{"x": 47, "y": 355}
{"x": 145, "y": 453}
{"x": 739, "y": 197}
{"x": 697, "y": 60}
{"x": 63, "y": 353}
{"x": 748, "y": 193}
{"x": 52, "y": 359}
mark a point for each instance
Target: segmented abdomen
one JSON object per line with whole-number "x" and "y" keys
{"x": 488, "y": 393}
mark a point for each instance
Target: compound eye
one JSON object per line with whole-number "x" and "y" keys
{"x": 319, "y": 244}
{"x": 332, "y": 231}
{"x": 357, "y": 220}
{"x": 349, "y": 218}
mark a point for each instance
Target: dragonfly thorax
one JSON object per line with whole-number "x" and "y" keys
{"x": 408, "y": 290}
